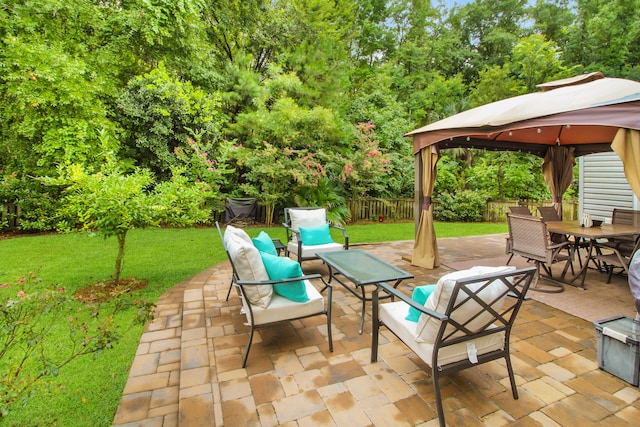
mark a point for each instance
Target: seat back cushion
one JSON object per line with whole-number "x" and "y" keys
{"x": 264, "y": 243}
{"x": 234, "y": 231}
{"x": 427, "y": 328}
{"x": 248, "y": 264}
{"x": 307, "y": 218}
{"x": 317, "y": 235}
{"x": 285, "y": 268}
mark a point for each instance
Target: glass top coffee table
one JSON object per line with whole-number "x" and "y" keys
{"x": 361, "y": 269}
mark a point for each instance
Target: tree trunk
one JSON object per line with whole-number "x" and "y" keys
{"x": 119, "y": 258}
{"x": 269, "y": 208}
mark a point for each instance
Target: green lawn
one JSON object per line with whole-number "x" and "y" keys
{"x": 92, "y": 388}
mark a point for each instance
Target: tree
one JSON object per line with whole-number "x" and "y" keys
{"x": 54, "y": 90}
{"x": 160, "y": 114}
{"x": 535, "y": 60}
{"x": 271, "y": 174}
{"x": 112, "y": 203}
{"x": 605, "y": 36}
{"x": 552, "y": 18}
{"x": 364, "y": 165}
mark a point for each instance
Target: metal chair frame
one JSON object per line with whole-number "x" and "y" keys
{"x": 241, "y": 285}
{"x": 452, "y": 332}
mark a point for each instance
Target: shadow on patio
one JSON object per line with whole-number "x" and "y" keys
{"x": 187, "y": 368}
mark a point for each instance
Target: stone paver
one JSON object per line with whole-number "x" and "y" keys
{"x": 187, "y": 370}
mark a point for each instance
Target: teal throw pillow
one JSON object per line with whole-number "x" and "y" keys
{"x": 319, "y": 235}
{"x": 285, "y": 268}
{"x": 420, "y": 295}
{"x": 264, "y": 244}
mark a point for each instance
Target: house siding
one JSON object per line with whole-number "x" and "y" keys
{"x": 603, "y": 186}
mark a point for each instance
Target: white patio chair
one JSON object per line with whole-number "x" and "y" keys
{"x": 307, "y": 231}
{"x": 466, "y": 321}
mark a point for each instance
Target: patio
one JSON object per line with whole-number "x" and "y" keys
{"x": 187, "y": 368}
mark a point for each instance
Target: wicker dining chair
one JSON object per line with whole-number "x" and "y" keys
{"x": 529, "y": 239}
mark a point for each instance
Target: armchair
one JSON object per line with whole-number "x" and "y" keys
{"x": 272, "y": 289}
{"x": 307, "y": 231}
{"x": 466, "y": 321}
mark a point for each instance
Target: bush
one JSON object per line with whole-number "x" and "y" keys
{"x": 37, "y": 202}
{"x": 463, "y": 206}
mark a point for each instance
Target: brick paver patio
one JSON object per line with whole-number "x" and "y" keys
{"x": 187, "y": 371}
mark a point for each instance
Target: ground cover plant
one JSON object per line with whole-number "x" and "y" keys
{"x": 90, "y": 389}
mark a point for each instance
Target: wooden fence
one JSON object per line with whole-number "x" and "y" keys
{"x": 378, "y": 210}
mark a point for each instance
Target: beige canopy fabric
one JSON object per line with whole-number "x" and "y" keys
{"x": 557, "y": 170}
{"x": 425, "y": 249}
{"x": 572, "y": 117}
{"x": 627, "y": 145}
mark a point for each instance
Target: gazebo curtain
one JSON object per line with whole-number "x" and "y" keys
{"x": 425, "y": 249}
{"x": 557, "y": 170}
{"x": 626, "y": 144}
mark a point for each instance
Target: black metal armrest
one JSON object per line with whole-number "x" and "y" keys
{"x": 291, "y": 231}
{"x": 398, "y": 294}
{"x": 344, "y": 234}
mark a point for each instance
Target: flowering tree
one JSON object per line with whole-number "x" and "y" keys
{"x": 270, "y": 174}
{"x": 365, "y": 165}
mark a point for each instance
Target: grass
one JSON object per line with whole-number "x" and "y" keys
{"x": 93, "y": 388}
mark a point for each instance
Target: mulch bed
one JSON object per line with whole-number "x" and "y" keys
{"x": 107, "y": 290}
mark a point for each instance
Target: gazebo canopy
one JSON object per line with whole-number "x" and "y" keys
{"x": 571, "y": 117}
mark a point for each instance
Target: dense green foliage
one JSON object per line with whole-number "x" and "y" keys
{"x": 292, "y": 83}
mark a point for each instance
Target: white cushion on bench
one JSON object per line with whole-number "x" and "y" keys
{"x": 393, "y": 316}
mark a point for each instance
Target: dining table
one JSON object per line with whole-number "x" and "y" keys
{"x": 590, "y": 234}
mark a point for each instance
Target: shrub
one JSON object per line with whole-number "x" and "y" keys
{"x": 463, "y": 206}
{"x": 37, "y": 202}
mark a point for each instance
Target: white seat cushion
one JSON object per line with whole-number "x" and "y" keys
{"x": 311, "y": 251}
{"x": 427, "y": 328}
{"x": 393, "y": 316}
{"x": 282, "y": 308}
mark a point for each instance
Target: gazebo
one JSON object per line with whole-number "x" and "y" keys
{"x": 568, "y": 118}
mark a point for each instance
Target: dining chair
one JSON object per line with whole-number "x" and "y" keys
{"x": 624, "y": 217}
{"x": 520, "y": 210}
{"x": 616, "y": 257}
{"x": 529, "y": 239}
{"x": 617, "y": 252}
{"x": 549, "y": 213}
